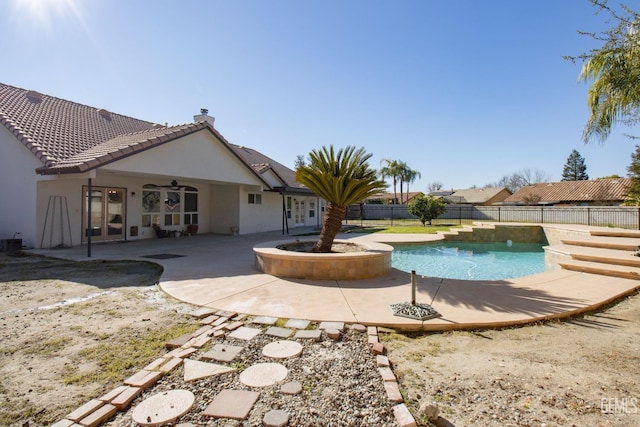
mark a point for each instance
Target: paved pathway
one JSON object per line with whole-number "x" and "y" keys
{"x": 219, "y": 272}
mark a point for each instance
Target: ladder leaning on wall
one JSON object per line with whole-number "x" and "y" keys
{"x": 56, "y": 204}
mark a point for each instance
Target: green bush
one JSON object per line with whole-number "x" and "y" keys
{"x": 426, "y": 208}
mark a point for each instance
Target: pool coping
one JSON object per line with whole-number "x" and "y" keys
{"x": 219, "y": 272}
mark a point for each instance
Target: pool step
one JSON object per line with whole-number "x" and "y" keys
{"x": 613, "y": 270}
{"x": 606, "y": 242}
{"x": 467, "y": 232}
{"x": 601, "y": 255}
{"x": 616, "y": 233}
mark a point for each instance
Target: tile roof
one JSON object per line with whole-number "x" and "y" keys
{"x": 55, "y": 129}
{"x": 119, "y": 147}
{"x": 71, "y": 138}
{"x": 475, "y": 195}
{"x": 261, "y": 163}
{"x": 606, "y": 189}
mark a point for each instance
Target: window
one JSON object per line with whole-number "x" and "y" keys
{"x": 312, "y": 209}
{"x": 169, "y": 206}
{"x": 150, "y": 205}
{"x": 255, "y": 199}
{"x": 190, "y": 206}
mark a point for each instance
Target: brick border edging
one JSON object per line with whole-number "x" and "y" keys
{"x": 96, "y": 411}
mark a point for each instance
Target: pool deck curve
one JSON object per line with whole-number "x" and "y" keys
{"x": 219, "y": 272}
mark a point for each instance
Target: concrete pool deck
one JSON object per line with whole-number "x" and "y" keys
{"x": 218, "y": 272}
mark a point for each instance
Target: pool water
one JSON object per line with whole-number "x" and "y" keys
{"x": 470, "y": 260}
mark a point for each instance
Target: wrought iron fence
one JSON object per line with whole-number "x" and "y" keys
{"x": 606, "y": 216}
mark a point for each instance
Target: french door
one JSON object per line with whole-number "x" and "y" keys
{"x": 108, "y": 213}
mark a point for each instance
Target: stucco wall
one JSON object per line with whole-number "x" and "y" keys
{"x": 223, "y": 208}
{"x": 17, "y": 165}
{"x": 197, "y": 156}
{"x": 257, "y": 218}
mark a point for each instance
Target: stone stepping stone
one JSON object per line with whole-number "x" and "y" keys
{"x": 293, "y": 387}
{"x": 275, "y": 331}
{"x": 304, "y": 334}
{"x": 334, "y": 334}
{"x": 235, "y": 404}
{"x": 194, "y": 369}
{"x": 264, "y": 320}
{"x": 359, "y": 328}
{"x": 223, "y": 352}
{"x": 225, "y": 313}
{"x": 332, "y": 325}
{"x": 297, "y": 324}
{"x": 275, "y": 418}
{"x": 263, "y": 374}
{"x": 244, "y": 333}
{"x": 282, "y": 349}
{"x": 163, "y": 407}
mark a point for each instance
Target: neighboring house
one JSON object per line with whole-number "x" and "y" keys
{"x": 605, "y": 191}
{"x": 387, "y": 198}
{"x": 474, "y": 196}
{"x": 63, "y": 162}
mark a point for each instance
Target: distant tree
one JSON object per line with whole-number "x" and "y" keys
{"x": 614, "y": 176}
{"x": 532, "y": 199}
{"x": 435, "y": 186}
{"x": 342, "y": 179}
{"x": 407, "y": 175}
{"x": 533, "y": 176}
{"x": 575, "y": 169}
{"x": 520, "y": 179}
{"x": 633, "y": 172}
{"x": 427, "y": 208}
{"x": 391, "y": 169}
{"x": 299, "y": 161}
{"x": 614, "y": 72}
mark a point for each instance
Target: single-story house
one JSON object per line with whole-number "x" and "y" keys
{"x": 593, "y": 192}
{"x": 76, "y": 174}
{"x": 474, "y": 196}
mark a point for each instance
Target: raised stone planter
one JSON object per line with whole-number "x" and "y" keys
{"x": 373, "y": 261}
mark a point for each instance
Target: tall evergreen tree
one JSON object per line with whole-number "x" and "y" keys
{"x": 575, "y": 168}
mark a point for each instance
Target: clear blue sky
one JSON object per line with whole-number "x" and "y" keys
{"x": 463, "y": 91}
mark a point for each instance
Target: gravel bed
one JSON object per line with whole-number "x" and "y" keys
{"x": 341, "y": 385}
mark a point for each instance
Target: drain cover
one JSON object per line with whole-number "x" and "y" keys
{"x": 414, "y": 311}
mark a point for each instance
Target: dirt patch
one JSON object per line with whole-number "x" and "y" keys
{"x": 71, "y": 331}
{"x": 582, "y": 372}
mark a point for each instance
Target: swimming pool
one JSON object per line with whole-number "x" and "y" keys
{"x": 470, "y": 260}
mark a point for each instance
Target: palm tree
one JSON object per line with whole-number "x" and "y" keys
{"x": 409, "y": 176}
{"x": 614, "y": 94}
{"x": 402, "y": 170}
{"x": 341, "y": 179}
{"x": 392, "y": 170}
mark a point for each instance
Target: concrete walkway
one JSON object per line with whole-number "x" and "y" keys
{"x": 218, "y": 271}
